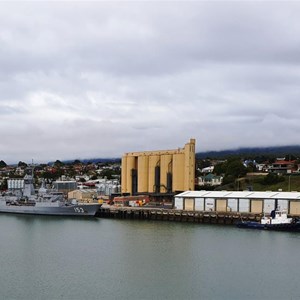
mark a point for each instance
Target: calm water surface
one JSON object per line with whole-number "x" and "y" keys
{"x": 57, "y": 258}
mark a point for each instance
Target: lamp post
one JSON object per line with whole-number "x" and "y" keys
{"x": 238, "y": 183}
{"x": 289, "y": 187}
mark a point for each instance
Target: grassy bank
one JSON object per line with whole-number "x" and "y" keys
{"x": 290, "y": 183}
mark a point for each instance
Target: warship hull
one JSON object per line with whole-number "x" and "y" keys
{"x": 84, "y": 210}
{"x": 45, "y": 202}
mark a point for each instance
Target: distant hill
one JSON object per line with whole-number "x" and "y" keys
{"x": 252, "y": 152}
{"x": 243, "y": 152}
{"x": 92, "y": 160}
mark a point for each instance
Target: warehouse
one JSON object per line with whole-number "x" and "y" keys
{"x": 85, "y": 195}
{"x": 238, "y": 201}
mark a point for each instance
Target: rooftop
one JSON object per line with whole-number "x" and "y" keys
{"x": 241, "y": 194}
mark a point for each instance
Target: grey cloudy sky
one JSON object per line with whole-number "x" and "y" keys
{"x": 98, "y": 79}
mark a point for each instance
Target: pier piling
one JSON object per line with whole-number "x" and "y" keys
{"x": 140, "y": 213}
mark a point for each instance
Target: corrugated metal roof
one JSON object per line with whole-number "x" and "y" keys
{"x": 263, "y": 195}
{"x": 241, "y": 194}
{"x": 288, "y": 195}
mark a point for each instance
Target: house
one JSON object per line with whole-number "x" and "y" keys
{"x": 207, "y": 169}
{"x": 210, "y": 179}
{"x": 283, "y": 167}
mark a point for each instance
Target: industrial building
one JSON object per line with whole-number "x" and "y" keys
{"x": 15, "y": 184}
{"x": 163, "y": 172}
{"x": 238, "y": 201}
{"x": 65, "y": 186}
{"x": 84, "y": 195}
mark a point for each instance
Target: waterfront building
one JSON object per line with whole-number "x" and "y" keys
{"x": 159, "y": 172}
{"x": 84, "y": 195}
{"x": 238, "y": 201}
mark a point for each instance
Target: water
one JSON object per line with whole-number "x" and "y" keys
{"x": 58, "y": 258}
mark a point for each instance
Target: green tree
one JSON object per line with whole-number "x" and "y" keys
{"x": 71, "y": 171}
{"x": 236, "y": 168}
{"x": 272, "y": 178}
{"x": 228, "y": 179}
{"x": 220, "y": 168}
{"x": 58, "y": 163}
{"x": 21, "y": 164}
{"x": 203, "y": 163}
{"x": 94, "y": 177}
{"x": 232, "y": 169}
{"x": 49, "y": 175}
{"x": 251, "y": 168}
{"x": 290, "y": 157}
{"x": 3, "y": 185}
{"x": 2, "y": 164}
{"x": 107, "y": 173}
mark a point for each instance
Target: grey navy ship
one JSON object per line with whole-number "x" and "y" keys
{"x": 44, "y": 202}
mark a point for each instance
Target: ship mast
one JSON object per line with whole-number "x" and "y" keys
{"x": 28, "y": 190}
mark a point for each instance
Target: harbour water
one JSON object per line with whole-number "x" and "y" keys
{"x": 68, "y": 258}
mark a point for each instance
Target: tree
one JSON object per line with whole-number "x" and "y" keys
{"x": 290, "y": 157}
{"x": 21, "y": 164}
{"x": 220, "y": 168}
{"x": 49, "y": 175}
{"x": 272, "y": 178}
{"x": 203, "y": 163}
{"x": 3, "y": 185}
{"x": 71, "y": 171}
{"x": 233, "y": 167}
{"x": 236, "y": 169}
{"x": 251, "y": 167}
{"x": 58, "y": 163}
{"x": 228, "y": 179}
{"x": 107, "y": 173}
{"x": 2, "y": 164}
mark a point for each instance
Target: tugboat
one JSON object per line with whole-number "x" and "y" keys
{"x": 278, "y": 220}
{"x": 45, "y": 202}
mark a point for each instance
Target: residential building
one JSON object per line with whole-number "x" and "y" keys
{"x": 283, "y": 167}
{"x": 210, "y": 180}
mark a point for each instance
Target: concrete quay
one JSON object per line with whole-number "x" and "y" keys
{"x": 142, "y": 213}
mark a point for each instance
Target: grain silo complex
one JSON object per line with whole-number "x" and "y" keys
{"x": 162, "y": 172}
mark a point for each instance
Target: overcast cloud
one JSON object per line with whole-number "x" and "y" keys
{"x": 98, "y": 79}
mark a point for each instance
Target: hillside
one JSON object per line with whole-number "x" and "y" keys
{"x": 290, "y": 183}
{"x": 252, "y": 152}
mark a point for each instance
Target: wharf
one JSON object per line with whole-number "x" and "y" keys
{"x": 162, "y": 214}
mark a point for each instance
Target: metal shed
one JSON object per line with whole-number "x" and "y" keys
{"x": 238, "y": 201}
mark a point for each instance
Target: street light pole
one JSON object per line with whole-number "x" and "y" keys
{"x": 238, "y": 183}
{"x": 289, "y": 183}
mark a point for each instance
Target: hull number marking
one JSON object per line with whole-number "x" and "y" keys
{"x": 79, "y": 210}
